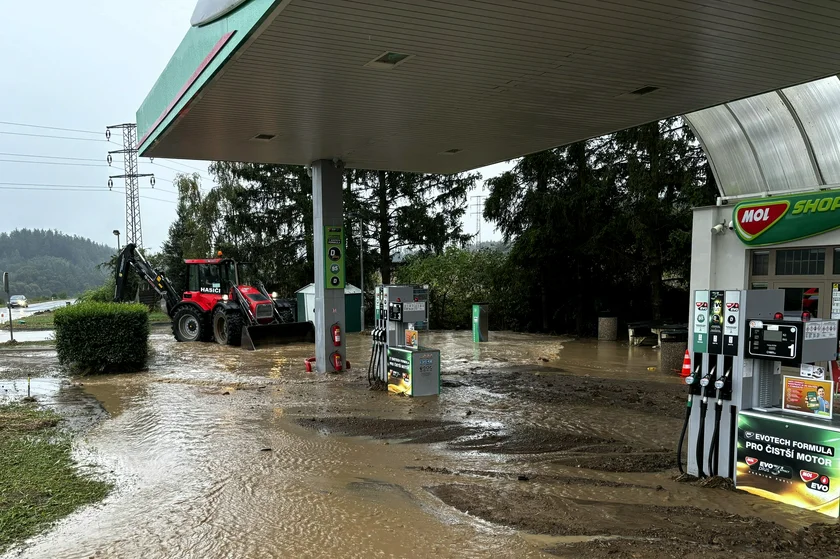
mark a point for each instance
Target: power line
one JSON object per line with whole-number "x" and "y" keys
{"x": 56, "y": 137}
{"x": 53, "y": 163}
{"x": 50, "y": 127}
{"x": 133, "y": 228}
{"x": 176, "y": 162}
{"x": 50, "y": 157}
{"x": 70, "y": 188}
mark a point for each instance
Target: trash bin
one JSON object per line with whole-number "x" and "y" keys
{"x": 481, "y": 322}
{"x": 672, "y": 344}
{"x": 608, "y": 328}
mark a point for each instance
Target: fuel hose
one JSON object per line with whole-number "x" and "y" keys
{"x": 714, "y": 448}
{"x": 701, "y": 433}
{"x": 682, "y": 434}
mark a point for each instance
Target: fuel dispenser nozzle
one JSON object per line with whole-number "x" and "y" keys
{"x": 714, "y": 449}
{"x": 701, "y": 433}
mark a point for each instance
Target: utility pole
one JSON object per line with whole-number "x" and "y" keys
{"x": 133, "y": 230}
{"x": 478, "y": 208}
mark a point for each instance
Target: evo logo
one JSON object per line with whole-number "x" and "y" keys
{"x": 815, "y": 482}
{"x": 754, "y": 219}
{"x": 769, "y": 468}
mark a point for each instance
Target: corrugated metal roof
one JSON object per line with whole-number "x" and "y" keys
{"x": 775, "y": 143}
{"x": 494, "y": 79}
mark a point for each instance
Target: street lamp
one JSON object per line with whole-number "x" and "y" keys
{"x": 117, "y": 233}
{"x": 361, "y": 264}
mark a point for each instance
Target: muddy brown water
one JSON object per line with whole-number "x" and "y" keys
{"x": 537, "y": 447}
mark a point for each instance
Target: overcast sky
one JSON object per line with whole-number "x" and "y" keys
{"x": 84, "y": 65}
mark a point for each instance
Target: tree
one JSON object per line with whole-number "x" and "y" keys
{"x": 189, "y": 235}
{"x": 410, "y": 210}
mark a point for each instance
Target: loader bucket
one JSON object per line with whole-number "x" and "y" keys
{"x": 254, "y": 337}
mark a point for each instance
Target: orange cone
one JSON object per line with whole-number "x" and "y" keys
{"x": 686, "y": 368}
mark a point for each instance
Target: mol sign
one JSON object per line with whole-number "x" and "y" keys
{"x": 778, "y": 220}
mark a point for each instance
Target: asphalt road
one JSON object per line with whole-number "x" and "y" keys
{"x": 33, "y": 309}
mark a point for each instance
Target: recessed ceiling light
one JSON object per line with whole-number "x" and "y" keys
{"x": 264, "y": 137}
{"x": 451, "y": 151}
{"x": 388, "y": 60}
{"x": 644, "y": 90}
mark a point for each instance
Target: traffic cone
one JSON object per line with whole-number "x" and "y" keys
{"x": 686, "y": 368}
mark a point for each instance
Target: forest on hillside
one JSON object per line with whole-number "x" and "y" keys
{"x": 598, "y": 226}
{"x": 44, "y": 263}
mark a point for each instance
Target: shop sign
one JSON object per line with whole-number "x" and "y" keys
{"x": 791, "y": 462}
{"x": 782, "y": 219}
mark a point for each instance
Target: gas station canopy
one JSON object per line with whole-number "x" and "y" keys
{"x": 440, "y": 86}
{"x": 775, "y": 143}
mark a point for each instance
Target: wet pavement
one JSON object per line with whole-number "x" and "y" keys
{"x": 537, "y": 446}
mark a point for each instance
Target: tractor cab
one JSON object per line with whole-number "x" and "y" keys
{"x": 211, "y": 280}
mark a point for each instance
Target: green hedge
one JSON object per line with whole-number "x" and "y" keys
{"x": 102, "y": 337}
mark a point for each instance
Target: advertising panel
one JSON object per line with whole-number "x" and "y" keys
{"x": 716, "y": 322}
{"x": 789, "y": 461}
{"x": 808, "y": 396}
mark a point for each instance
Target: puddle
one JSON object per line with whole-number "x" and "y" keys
{"x": 27, "y": 335}
{"x": 218, "y": 452}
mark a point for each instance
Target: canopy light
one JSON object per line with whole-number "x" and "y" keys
{"x": 388, "y": 60}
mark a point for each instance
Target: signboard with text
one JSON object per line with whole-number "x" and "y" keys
{"x": 334, "y": 257}
{"x": 789, "y": 461}
{"x": 786, "y": 218}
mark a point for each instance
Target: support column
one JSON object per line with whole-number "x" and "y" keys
{"x": 330, "y": 272}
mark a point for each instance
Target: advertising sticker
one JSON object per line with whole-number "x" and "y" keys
{"x": 808, "y": 396}
{"x": 716, "y": 322}
{"x": 731, "y": 322}
{"x": 790, "y": 462}
{"x": 701, "y": 321}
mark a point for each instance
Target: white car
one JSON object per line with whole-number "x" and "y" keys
{"x": 18, "y": 301}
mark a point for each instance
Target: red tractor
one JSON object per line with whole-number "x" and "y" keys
{"x": 216, "y": 306}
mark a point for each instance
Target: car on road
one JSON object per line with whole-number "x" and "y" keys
{"x": 18, "y": 301}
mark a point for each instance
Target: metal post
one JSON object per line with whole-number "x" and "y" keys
{"x": 9, "y": 303}
{"x": 362, "y": 265}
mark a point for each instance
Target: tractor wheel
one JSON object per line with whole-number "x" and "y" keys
{"x": 190, "y": 325}
{"x": 227, "y": 327}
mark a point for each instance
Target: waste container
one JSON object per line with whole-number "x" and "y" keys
{"x": 607, "y": 328}
{"x": 481, "y": 322}
{"x": 672, "y": 344}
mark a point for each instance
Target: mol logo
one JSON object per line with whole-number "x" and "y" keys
{"x": 702, "y": 305}
{"x": 751, "y": 461}
{"x": 754, "y": 219}
{"x": 733, "y": 306}
{"x": 808, "y": 476}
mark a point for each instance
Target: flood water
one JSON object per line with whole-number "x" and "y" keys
{"x": 210, "y": 459}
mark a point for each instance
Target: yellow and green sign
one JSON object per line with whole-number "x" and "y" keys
{"x": 334, "y": 256}
{"x": 790, "y": 461}
{"x": 776, "y": 220}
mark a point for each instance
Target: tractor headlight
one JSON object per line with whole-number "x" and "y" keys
{"x": 225, "y": 297}
{"x": 273, "y": 294}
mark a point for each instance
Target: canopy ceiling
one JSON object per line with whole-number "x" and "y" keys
{"x": 290, "y": 81}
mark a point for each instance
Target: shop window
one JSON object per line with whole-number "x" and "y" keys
{"x": 761, "y": 263}
{"x": 837, "y": 261}
{"x": 798, "y": 299}
{"x": 800, "y": 262}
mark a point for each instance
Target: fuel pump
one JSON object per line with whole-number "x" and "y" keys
{"x": 398, "y": 362}
{"x": 777, "y": 439}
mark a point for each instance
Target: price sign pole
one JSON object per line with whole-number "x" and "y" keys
{"x": 9, "y": 303}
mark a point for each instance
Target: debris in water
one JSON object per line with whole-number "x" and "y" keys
{"x": 686, "y": 478}
{"x": 266, "y": 449}
{"x": 523, "y": 477}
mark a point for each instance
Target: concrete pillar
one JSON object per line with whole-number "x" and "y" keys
{"x": 330, "y": 273}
